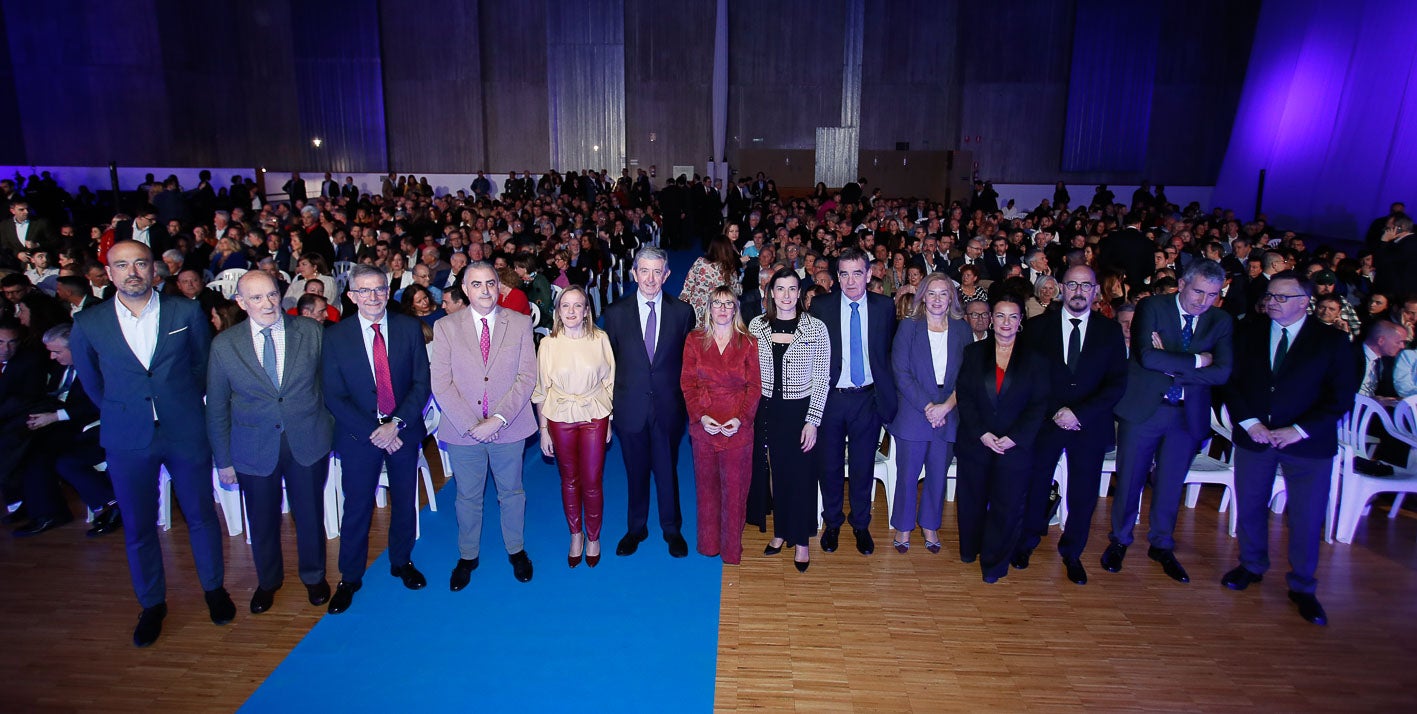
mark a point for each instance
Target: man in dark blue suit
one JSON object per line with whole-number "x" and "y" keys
{"x": 143, "y": 360}
{"x": 647, "y": 331}
{"x": 1087, "y": 374}
{"x": 1293, "y": 380}
{"x": 861, "y": 326}
{"x": 376, "y": 386}
{"x": 1180, "y": 348}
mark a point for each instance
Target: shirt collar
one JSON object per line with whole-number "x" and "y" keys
{"x": 658, "y": 299}
{"x": 382, "y": 322}
{"x": 148, "y": 308}
{"x": 277, "y": 326}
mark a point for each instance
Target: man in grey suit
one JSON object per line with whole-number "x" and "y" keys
{"x": 1180, "y": 348}
{"x": 483, "y": 371}
{"x": 267, "y": 423}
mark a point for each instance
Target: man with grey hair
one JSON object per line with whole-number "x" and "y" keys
{"x": 647, "y": 330}
{"x": 1180, "y": 348}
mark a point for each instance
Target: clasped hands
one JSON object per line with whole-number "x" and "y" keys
{"x": 386, "y": 437}
{"x": 996, "y": 444}
{"x": 485, "y": 430}
{"x": 714, "y": 427}
{"x": 1278, "y": 438}
{"x": 936, "y": 414}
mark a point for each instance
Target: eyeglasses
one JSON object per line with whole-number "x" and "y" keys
{"x": 1280, "y": 298}
{"x": 725, "y": 304}
{"x": 1075, "y": 285}
{"x": 362, "y": 293}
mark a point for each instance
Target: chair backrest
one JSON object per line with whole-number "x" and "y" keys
{"x": 1404, "y": 421}
{"x": 1220, "y": 423}
{"x": 231, "y": 274}
{"x": 225, "y": 286}
{"x": 432, "y": 416}
{"x": 342, "y": 267}
{"x": 535, "y": 315}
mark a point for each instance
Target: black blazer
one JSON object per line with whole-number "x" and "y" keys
{"x": 21, "y": 387}
{"x": 1130, "y": 251}
{"x": 1312, "y": 389}
{"x": 1092, "y": 392}
{"x": 158, "y": 239}
{"x": 644, "y": 389}
{"x": 348, "y": 380}
{"x": 880, "y": 328}
{"x": 1152, "y": 372}
{"x": 1017, "y": 411}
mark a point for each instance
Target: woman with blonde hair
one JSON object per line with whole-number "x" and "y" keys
{"x": 925, "y": 358}
{"x": 575, "y": 381}
{"x": 722, "y": 385}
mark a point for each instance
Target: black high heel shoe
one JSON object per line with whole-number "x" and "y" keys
{"x": 801, "y": 565}
{"x": 770, "y": 549}
{"x": 592, "y": 560}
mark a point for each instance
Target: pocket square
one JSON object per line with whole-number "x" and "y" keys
{"x": 180, "y": 329}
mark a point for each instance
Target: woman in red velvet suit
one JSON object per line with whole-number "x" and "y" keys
{"x": 721, "y": 384}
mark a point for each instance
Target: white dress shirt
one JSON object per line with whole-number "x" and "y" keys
{"x": 658, "y": 314}
{"x": 141, "y": 235}
{"x": 1068, "y": 328}
{"x": 845, "y": 380}
{"x": 140, "y": 330}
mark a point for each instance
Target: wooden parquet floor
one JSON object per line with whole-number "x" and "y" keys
{"x": 888, "y": 633}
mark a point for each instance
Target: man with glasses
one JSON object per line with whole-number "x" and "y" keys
{"x": 976, "y": 313}
{"x": 1180, "y": 348}
{"x": 1293, "y": 380}
{"x": 1087, "y": 374}
{"x": 376, "y": 385}
{"x": 145, "y": 229}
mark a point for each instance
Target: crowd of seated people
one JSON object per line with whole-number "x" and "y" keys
{"x": 1155, "y": 296}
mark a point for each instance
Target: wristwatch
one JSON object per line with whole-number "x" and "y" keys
{"x": 392, "y": 419}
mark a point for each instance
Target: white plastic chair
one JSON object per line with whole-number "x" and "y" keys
{"x": 231, "y": 274}
{"x": 225, "y": 286}
{"x": 164, "y": 498}
{"x": 231, "y": 505}
{"x": 334, "y": 497}
{"x": 1357, "y": 489}
{"x": 536, "y": 320}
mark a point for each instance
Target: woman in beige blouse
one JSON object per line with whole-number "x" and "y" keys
{"x": 575, "y": 379}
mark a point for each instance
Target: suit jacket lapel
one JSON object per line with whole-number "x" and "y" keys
{"x": 294, "y": 341}
{"x": 246, "y": 354}
{"x": 499, "y": 337}
{"x": 990, "y": 382}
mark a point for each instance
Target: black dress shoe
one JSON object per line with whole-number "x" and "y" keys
{"x": 1309, "y": 607}
{"x": 34, "y": 528}
{"x": 343, "y": 597}
{"x": 864, "y": 544}
{"x": 16, "y": 517}
{"x": 107, "y": 520}
{"x": 1112, "y": 557}
{"x": 1076, "y": 573}
{"x": 829, "y": 539}
{"x": 770, "y": 550}
{"x": 521, "y": 566}
{"x": 319, "y": 593}
{"x": 149, "y": 625}
{"x": 629, "y": 544}
{"x": 1169, "y": 564}
{"x": 1240, "y": 578}
{"x": 801, "y": 565}
{"x": 220, "y": 606}
{"x": 412, "y": 579}
{"x": 261, "y": 600}
{"x": 678, "y": 547}
{"x": 462, "y": 574}
{"x": 1020, "y": 561}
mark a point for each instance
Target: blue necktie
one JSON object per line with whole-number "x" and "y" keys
{"x": 268, "y": 356}
{"x": 858, "y": 362}
{"x": 1174, "y": 394}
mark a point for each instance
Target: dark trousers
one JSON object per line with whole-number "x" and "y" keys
{"x": 721, "y": 490}
{"x": 580, "y": 459}
{"x": 135, "y": 481}
{"x": 850, "y": 424}
{"x": 305, "y": 490}
{"x": 989, "y": 494}
{"x": 653, "y": 450}
{"x": 793, "y": 473}
{"x": 361, "y": 463}
{"x": 1165, "y": 438}
{"x": 62, "y": 452}
{"x": 1086, "y": 451}
{"x": 1306, "y": 483}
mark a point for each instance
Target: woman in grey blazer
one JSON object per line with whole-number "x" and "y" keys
{"x": 925, "y": 358}
{"x": 793, "y": 358}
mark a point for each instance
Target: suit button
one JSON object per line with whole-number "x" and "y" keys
{"x": 280, "y": 399}
{"x": 486, "y": 379}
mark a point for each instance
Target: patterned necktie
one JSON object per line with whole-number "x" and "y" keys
{"x": 651, "y": 328}
{"x": 268, "y": 357}
{"x": 1174, "y": 394}
{"x": 486, "y": 344}
{"x": 1075, "y": 344}
{"x": 858, "y": 364}
{"x": 383, "y": 382}
{"x": 1282, "y": 349}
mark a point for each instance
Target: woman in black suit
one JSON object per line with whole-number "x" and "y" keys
{"x": 1001, "y": 392}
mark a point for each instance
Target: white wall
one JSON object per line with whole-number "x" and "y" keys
{"x": 1027, "y": 195}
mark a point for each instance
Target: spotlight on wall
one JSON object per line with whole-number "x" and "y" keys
{"x": 263, "y": 169}
{"x": 596, "y": 147}
{"x": 317, "y": 141}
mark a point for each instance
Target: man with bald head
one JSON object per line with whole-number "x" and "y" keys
{"x": 267, "y": 422}
{"x": 143, "y": 359}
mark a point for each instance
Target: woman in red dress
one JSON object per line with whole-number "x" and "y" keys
{"x": 721, "y": 384}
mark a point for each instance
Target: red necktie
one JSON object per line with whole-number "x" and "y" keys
{"x": 486, "y": 344}
{"x": 383, "y": 383}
